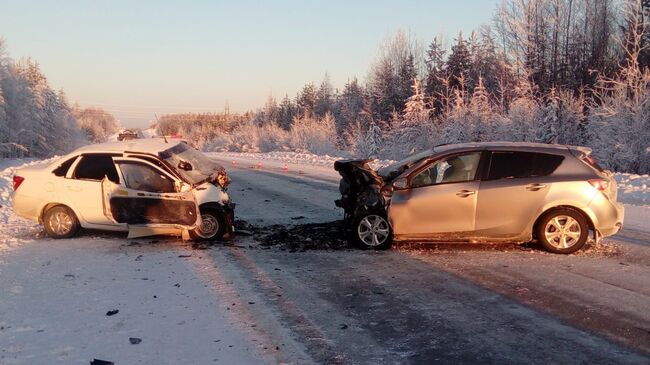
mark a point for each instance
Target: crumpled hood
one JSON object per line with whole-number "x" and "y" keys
{"x": 358, "y": 180}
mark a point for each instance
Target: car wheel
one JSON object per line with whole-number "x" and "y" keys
{"x": 212, "y": 226}
{"x": 563, "y": 231}
{"x": 60, "y": 222}
{"x": 372, "y": 231}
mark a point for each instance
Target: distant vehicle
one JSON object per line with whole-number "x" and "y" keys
{"x": 482, "y": 192}
{"x": 145, "y": 187}
{"x": 128, "y": 134}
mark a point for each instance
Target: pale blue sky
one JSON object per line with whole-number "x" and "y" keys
{"x": 135, "y": 58}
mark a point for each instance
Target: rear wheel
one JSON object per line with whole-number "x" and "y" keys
{"x": 212, "y": 226}
{"x": 372, "y": 231}
{"x": 60, "y": 222}
{"x": 563, "y": 231}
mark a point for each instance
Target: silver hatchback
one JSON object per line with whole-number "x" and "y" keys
{"x": 482, "y": 192}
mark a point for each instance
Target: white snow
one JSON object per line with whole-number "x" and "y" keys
{"x": 633, "y": 189}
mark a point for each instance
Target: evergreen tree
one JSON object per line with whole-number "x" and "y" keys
{"x": 459, "y": 64}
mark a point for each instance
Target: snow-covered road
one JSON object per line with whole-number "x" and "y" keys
{"x": 410, "y": 305}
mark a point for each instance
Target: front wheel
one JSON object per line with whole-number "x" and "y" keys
{"x": 563, "y": 231}
{"x": 372, "y": 231}
{"x": 212, "y": 226}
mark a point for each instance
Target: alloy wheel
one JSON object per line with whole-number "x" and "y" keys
{"x": 562, "y": 231}
{"x": 373, "y": 230}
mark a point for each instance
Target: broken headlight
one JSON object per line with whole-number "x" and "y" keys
{"x": 222, "y": 180}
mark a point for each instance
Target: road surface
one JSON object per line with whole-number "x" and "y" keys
{"x": 245, "y": 302}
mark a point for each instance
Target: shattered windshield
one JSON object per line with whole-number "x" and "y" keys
{"x": 392, "y": 171}
{"x": 197, "y": 167}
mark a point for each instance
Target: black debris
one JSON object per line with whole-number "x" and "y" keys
{"x": 134, "y": 340}
{"x": 69, "y": 276}
{"x": 177, "y": 285}
{"x": 183, "y": 256}
{"x": 139, "y": 258}
{"x": 267, "y": 200}
{"x": 303, "y": 237}
{"x": 344, "y": 326}
{"x": 251, "y": 302}
{"x": 101, "y": 362}
{"x": 298, "y": 217}
{"x": 112, "y": 312}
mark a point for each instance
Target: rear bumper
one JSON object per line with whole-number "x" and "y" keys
{"x": 609, "y": 215}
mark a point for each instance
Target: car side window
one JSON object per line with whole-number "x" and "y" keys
{"x": 138, "y": 176}
{"x": 451, "y": 169}
{"x": 512, "y": 165}
{"x": 95, "y": 167}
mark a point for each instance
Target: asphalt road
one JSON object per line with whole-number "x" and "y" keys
{"x": 435, "y": 303}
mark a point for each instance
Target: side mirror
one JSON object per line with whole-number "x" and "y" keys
{"x": 400, "y": 183}
{"x": 184, "y": 165}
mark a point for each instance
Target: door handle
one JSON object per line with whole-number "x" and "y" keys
{"x": 535, "y": 187}
{"x": 73, "y": 188}
{"x": 465, "y": 193}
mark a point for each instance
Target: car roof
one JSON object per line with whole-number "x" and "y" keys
{"x": 145, "y": 145}
{"x": 528, "y": 146}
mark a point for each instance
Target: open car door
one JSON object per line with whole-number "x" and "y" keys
{"x": 147, "y": 200}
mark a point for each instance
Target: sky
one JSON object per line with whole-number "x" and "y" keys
{"x": 139, "y": 59}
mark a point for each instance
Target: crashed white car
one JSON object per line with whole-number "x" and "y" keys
{"x": 146, "y": 187}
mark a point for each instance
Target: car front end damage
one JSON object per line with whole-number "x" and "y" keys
{"x": 362, "y": 190}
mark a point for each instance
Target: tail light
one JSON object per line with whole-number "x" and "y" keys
{"x": 600, "y": 184}
{"x": 17, "y": 181}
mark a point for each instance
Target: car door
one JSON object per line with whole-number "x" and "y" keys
{"x": 82, "y": 187}
{"x": 148, "y": 197}
{"x": 513, "y": 191}
{"x": 440, "y": 201}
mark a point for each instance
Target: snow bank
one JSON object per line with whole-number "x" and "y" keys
{"x": 633, "y": 189}
{"x": 296, "y": 158}
{"x": 14, "y": 229}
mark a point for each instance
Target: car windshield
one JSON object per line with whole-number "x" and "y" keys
{"x": 197, "y": 166}
{"x": 392, "y": 171}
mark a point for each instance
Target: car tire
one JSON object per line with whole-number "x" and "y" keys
{"x": 562, "y": 231}
{"x": 60, "y": 222}
{"x": 212, "y": 226}
{"x": 371, "y": 231}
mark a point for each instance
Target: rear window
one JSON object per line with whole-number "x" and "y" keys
{"x": 63, "y": 168}
{"x": 95, "y": 167}
{"x": 512, "y": 165}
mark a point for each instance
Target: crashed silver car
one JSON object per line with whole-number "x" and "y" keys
{"x": 482, "y": 192}
{"x": 142, "y": 186}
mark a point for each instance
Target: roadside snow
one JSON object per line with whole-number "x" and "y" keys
{"x": 633, "y": 189}
{"x": 13, "y": 229}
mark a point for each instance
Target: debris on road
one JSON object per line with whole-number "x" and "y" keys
{"x": 134, "y": 340}
{"x": 302, "y": 237}
{"x": 112, "y": 312}
{"x": 101, "y": 362}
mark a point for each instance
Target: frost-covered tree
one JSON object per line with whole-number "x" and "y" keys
{"x": 96, "y": 123}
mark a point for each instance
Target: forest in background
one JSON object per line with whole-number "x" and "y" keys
{"x": 555, "y": 71}
{"x": 37, "y": 121}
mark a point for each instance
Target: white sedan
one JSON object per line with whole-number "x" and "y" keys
{"x": 145, "y": 187}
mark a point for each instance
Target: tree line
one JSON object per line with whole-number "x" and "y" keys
{"x": 554, "y": 71}
{"x": 37, "y": 121}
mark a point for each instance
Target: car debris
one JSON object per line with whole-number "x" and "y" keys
{"x": 112, "y": 312}
{"x": 101, "y": 362}
{"x": 134, "y": 340}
